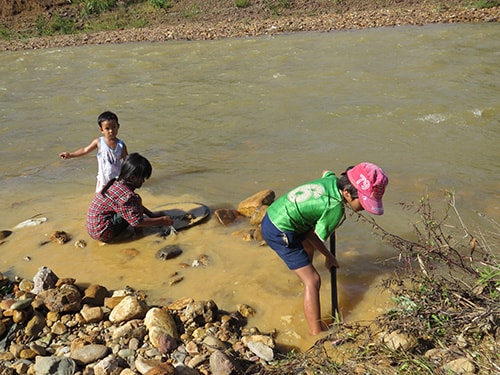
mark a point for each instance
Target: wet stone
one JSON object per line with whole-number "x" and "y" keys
{"x": 168, "y": 252}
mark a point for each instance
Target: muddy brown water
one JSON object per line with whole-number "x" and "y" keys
{"x": 221, "y": 120}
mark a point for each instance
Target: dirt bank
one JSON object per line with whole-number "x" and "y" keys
{"x": 201, "y": 20}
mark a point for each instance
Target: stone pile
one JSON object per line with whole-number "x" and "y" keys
{"x": 50, "y": 325}
{"x": 252, "y": 209}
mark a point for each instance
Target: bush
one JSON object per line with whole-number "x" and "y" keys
{"x": 98, "y": 6}
{"x": 160, "y": 4}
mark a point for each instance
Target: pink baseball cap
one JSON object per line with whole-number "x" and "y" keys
{"x": 370, "y": 182}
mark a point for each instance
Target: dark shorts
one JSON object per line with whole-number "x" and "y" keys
{"x": 288, "y": 245}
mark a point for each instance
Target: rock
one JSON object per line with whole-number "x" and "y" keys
{"x": 258, "y": 215}
{"x": 21, "y": 366}
{"x": 44, "y": 279}
{"x": 35, "y": 325}
{"x": 143, "y": 365}
{"x": 108, "y": 366}
{"x": 131, "y": 329}
{"x": 92, "y": 314}
{"x": 111, "y": 302}
{"x": 129, "y": 308}
{"x": 54, "y": 366}
{"x": 59, "y": 328}
{"x": 167, "y": 344}
{"x": 4, "y": 234}
{"x": 201, "y": 312}
{"x": 89, "y": 353}
{"x": 64, "y": 299}
{"x": 65, "y": 281}
{"x": 399, "y": 341}
{"x": 94, "y": 295}
{"x": 266, "y": 340}
{"x": 159, "y": 322}
{"x": 248, "y": 206}
{"x": 221, "y": 364}
{"x": 3, "y": 328}
{"x": 59, "y": 237}
{"x": 180, "y": 304}
{"x": 245, "y": 310}
{"x": 213, "y": 343}
{"x": 26, "y": 285}
{"x": 168, "y": 252}
{"x": 184, "y": 370}
{"x": 261, "y": 350}
{"x": 460, "y": 365}
{"x": 163, "y": 369}
{"x": 226, "y": 216}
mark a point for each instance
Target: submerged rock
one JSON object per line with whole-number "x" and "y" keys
{"x": 168, "y": 252}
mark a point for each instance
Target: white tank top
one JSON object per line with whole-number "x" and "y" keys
{"x": 109, "y": 162}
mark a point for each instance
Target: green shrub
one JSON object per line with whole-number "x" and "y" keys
{"x": 241, "y": 3}
{"x": 62, "y": 25}
{"x": 160, "y": 4}
{"x": 481, "y": 4}
{"x": 98, "y": 6}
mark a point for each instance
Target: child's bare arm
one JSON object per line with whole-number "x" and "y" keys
{"x": 124, "y": 152}
{"x": 81, "y": 151}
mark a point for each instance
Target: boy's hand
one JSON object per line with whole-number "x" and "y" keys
{"x": 65, "y": 155}
{"x": 331, "y": 262}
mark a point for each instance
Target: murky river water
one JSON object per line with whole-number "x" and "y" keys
{"x": 221, "y": 120}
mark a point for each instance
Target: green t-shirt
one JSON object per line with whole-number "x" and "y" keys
{"x": 315, "y": 204}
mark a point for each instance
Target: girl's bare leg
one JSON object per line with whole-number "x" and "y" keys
{"x": 312, "y": 308}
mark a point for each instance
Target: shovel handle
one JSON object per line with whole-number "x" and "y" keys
{"x": 333, "y": 277}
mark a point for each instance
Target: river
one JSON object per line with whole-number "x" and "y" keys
{"x": 221, "y": 120}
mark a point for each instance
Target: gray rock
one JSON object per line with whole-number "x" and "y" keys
{"x": 54, "y": 366}
{"x": 221, "y": 364}
{"x": 460, "y": 365}
{"x": 261, "y": 350}
{"x": 168, "y": 252}
{"x": 44, "y": 279}
{"x": 89, "y": 353}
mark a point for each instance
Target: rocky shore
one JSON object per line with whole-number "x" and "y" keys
{"x": 234, "y": 24}
{"x": 50, "y": 325}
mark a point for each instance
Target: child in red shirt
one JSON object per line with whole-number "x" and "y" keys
{"x": 118, "y": 206}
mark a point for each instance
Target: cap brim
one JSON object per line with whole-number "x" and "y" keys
{"x": 371, "y": 205}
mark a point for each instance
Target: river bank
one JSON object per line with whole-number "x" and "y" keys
{"x": 209, "y": 20}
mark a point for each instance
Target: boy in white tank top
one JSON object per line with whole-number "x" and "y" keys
{"x": 111, "y": 151}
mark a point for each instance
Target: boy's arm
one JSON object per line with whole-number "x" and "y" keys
{"x": 81, "y": 151}
{"x": 318, "y": 244}
{"x": 125, "y": 151}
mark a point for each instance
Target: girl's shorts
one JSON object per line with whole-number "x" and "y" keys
{"x": 288, "y": 245}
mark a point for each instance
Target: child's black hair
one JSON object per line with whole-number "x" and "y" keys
{"x": 135, "y": 166}
{"x": 344, "y": 183}
{"x": 107, "y": 116}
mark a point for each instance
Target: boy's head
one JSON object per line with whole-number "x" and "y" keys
{"x": 107, "y": 116}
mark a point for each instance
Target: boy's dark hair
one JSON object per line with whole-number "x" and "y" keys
{"x": 344, "y": 183}
{"x": 106, "y": 116}
{"x": 134, "y": 165}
